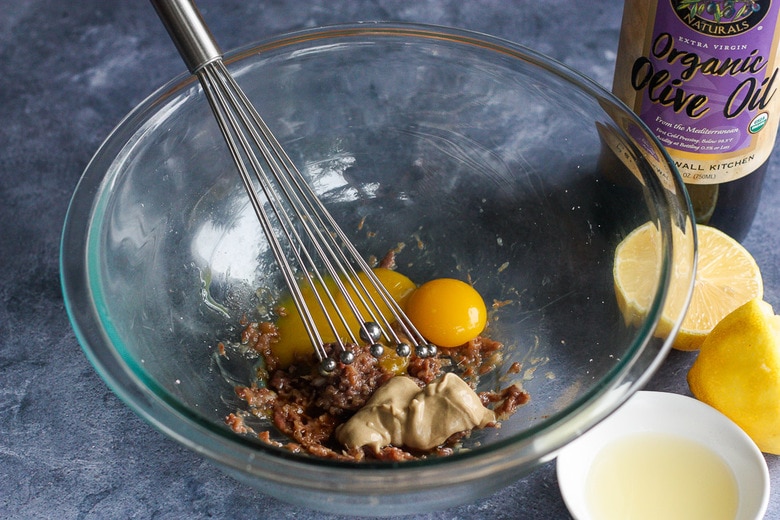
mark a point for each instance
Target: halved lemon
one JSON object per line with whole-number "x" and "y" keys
{"x": 727, "y": 276}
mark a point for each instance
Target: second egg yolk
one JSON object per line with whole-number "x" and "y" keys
{"x": 447, "y": 312}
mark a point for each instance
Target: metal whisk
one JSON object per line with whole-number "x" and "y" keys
{"x": 306, "y": 241}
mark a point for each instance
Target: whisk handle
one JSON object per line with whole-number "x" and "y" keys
{"x": 188, "y": 31}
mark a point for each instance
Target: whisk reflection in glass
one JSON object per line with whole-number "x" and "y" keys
{"x": 307, "y": 243}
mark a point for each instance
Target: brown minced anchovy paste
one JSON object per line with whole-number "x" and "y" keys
{"x": 333, "y": 416}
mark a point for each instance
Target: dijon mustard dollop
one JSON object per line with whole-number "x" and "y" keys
{"x": 402, "y": 414}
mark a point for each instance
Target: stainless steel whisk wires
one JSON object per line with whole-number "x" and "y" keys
{"x": 280, "y": 195}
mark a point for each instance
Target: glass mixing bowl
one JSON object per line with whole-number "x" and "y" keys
{"x": 491, "y": 163}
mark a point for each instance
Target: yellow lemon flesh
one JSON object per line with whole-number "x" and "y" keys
{"x": 737, "y": 372}
{"x": 293, "y": 340}
{"x": 726, "y": 277}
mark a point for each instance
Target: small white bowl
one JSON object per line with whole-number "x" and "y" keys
{"x": 679, "y": 416}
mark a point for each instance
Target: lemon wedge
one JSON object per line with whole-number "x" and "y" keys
{"x": 726, "y": 277}
{"x": 737, "y": 372}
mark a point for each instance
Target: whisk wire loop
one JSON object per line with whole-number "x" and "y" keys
{"x": 293, "y": 204}
{"x": 235, "y": 123}
{"x": 217, "y": 99}
{"x": 308, "y": 245}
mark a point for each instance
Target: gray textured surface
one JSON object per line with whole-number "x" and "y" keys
{"x": 68, "y": 72}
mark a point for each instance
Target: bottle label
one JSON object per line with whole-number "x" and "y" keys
{"x": 707, "y": 83}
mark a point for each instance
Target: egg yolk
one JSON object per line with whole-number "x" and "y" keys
{"x": 294, "y": 341}
{"x": 447, "y": 312}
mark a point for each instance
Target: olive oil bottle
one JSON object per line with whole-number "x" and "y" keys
{"x": 703, "y": 76}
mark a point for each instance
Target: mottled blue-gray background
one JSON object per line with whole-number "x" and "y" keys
{"x": 69, "y": 71}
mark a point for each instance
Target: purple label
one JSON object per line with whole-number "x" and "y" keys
{"x": 709, "y": 73}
